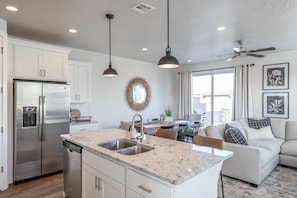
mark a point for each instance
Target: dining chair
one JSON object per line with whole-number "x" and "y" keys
{"x": 210, "y": 142}
{"x": 192, "y": 130}
{"x": 126, "y": 125}
{"x": 167, "y": 133}
{"x": 182, "y": 128}
{"x": 169, "y": 127}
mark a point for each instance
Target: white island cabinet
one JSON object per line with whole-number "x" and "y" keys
{"x": 80, "y": 81}
{"x": 172, "y": 169}
{"x": 38, "y": 61}
{"x": 102, "y": 178}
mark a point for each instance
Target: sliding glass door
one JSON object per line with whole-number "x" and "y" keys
{"x": 212, "y": 95}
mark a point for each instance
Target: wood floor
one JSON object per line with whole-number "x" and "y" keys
{"x": 45, "y": 187}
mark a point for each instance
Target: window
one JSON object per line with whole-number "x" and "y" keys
{"x": 212, "y": 95}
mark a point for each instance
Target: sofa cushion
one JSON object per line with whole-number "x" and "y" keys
{"x": 234, "y": 135}
{"x": 215, "y": 131}
{"x": 289, "y": 148}
{"x": 291, "y": 130}
{"x": 268, "y": 149}
{"x": 272, "y": 145}
{"x": 237, "y": 125}
{"x": 259, "y": 134}
{"x": 278, "y": 127}
{"x": 259, "y": 123}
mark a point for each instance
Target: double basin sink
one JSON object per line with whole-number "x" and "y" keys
{"x": 125, "y": 146}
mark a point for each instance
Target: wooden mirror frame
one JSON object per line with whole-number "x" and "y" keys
{"x": 129, "y": 93}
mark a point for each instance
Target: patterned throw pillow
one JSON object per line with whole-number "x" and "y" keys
{"x": 258, "y": 123}
{"x": 233, "y": 135}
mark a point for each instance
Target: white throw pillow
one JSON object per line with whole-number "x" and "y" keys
{"x": 259, "y": 134}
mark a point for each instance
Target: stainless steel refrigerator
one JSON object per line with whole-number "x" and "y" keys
{"x": 41, "y": 115}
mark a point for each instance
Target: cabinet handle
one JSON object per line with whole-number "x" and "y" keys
{"x": 97, "y": 183}
{"x": 44, "y": 72}
{"x": 145, "y": 189}
{"x": 40, "y": 72}
{"x": 78, "y": 96}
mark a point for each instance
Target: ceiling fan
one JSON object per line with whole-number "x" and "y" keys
{"x": 242, "y": 51}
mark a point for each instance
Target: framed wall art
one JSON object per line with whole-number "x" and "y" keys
{"x": 276, "y": 105}
{"x": 276, "y": 76}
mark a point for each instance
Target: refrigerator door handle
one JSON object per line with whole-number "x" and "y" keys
{"x": 43, "y": 118}
{"x": 40, "y": 115}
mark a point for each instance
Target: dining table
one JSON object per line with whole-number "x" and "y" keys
{"x": 152, "y": 127}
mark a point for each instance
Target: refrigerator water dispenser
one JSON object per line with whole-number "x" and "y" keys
{"x": 29, "y": 116}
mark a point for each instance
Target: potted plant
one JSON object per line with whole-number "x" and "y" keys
{"x": 169, "y": 114}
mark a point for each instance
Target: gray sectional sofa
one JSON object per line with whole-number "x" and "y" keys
{"x": 267, "y": 147}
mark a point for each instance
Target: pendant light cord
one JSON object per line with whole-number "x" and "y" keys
{"x": 109, "y": 42}
{"x": 168, "y": 48}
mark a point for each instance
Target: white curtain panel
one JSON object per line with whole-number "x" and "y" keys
{"x": 184, "y": 95}
{"x": 242, "y": 92}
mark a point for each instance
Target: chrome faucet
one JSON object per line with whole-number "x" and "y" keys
{"x": 141, "y": 130}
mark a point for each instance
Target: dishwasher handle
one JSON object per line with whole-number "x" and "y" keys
{"x": 72, "y": 147}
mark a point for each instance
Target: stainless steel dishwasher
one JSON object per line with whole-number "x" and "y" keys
{"x": 72, "y": 170}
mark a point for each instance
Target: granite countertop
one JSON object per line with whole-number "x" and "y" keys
{"x": 171, "y": 161}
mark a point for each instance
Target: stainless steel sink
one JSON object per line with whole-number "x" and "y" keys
{"x": 137, "y": 149}
{"x": 117, "y": 144}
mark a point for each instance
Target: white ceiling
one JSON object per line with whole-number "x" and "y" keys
{"x": 193, "y": 23}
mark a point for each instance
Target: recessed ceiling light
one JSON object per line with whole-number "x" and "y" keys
{"x": 220, "y": 28}
{"x": 144, "y": 49}
{"x": 11, "y": 8}
{"x": 189, "y": 61}
{"x": 72, "y": 30}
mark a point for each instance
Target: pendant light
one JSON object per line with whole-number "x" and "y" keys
{"x": 168, "y": 61}
{"x": 110, "y": 72}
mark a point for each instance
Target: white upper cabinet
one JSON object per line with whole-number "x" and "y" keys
{"x": 36, "y": 61}
{"x": 80, "y": 81}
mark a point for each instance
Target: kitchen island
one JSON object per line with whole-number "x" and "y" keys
{"x": 170, "y": 169}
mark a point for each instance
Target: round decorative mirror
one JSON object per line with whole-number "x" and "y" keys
{"x": 138, "y": 94}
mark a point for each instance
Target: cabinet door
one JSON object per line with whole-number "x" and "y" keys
{"x": 90, "y": 186}
{"x": 80, "y": 81}
{"x": 28, "y": 63}
{"x": 72, "y": 81}
{"x": 83, "y": 83}
{"x": 96, "y": 184}
{"x": 55, "y": 66}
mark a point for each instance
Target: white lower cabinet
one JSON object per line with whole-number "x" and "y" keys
{"x": 132, "y": 194}
{"x": 145, "y": 186}
{"x": 101, "y": 178}
{"x": 97, "y": 185}
{"x": 83, "y": 127}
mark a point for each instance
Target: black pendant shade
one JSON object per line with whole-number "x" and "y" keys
{"x": 168, "y": 61}
{"x": 110, "y": 72}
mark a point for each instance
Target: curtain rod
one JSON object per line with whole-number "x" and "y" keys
{"x": 231, "y": 67}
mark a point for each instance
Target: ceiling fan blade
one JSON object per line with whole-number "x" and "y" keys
{"x": 229, "y": 59}
{"x": 255, "y": 55}
{"x": 263, "y": 49}
{"x": 236, "y": 49}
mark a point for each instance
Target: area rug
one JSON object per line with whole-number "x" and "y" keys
{"x": 281, "y": 183}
